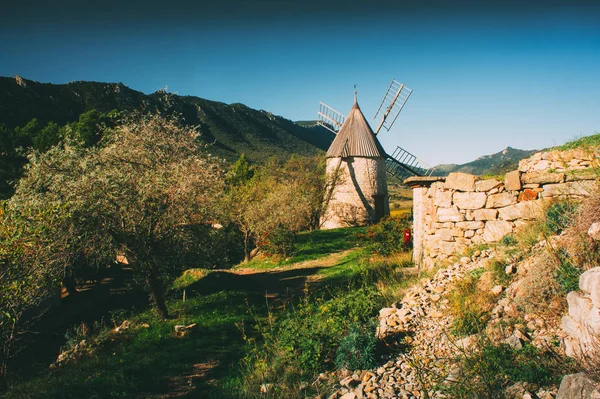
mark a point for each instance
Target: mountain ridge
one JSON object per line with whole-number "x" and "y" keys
{"x": 233, "y": 128}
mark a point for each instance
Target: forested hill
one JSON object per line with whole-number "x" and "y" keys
{"x": 233, "y": 128}
{"x": 494, "y": 164}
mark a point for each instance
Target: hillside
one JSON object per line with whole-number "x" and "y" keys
{"x": 494, "y": 164}
{"x": 233, "y": 128}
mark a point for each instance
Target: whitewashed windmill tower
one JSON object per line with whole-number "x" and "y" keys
{"x": 357, "y": 164}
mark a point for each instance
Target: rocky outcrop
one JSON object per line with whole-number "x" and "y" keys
{"x": 578, "y": 386}
{"x": 582, "y": 324}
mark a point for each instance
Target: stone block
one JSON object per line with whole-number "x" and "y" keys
{"x": 542, "y": 165}
{"x": 449, "y": 215}
{"x": 469, "y": 234}
{"x": 460, "y": 181}
{"x": 469, "y": 200}
{"x": 447, "y": 247}
{"x": 487, "y": 185}
{"x": 500, "y": 200}
{"x": 594, "y": 231}
{"x": 443, "y": 199}
{"x": 527, "y": 195}
{"x": 496, "y": 229}
{"x": 579, "y": 306}
{"x": 512, "y": 180}
{"x": 578, "y": 386}
{"x": 470, "y": 225}
{"x": 589, "y": 282}
{"x": 485, "y": 214}
{"x": 523, "y": 210}
{"x": 580, "y": 188}
{"x": 542, "y": 178}
{"x": 444, "y": 235}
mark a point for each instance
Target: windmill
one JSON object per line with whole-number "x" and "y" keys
{"x": 357, "y": 163}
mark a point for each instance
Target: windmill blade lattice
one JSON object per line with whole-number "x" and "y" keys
{"x": 330, "y": 119}
{"x": 391, "y": 105}
{"x": 403, "y": 164}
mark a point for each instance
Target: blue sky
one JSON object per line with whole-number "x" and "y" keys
{"x": 484, "y": 77}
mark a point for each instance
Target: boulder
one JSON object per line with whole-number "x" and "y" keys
{"x": 500, "y": 200}
{"x": 512, "y": 181}
{"x": 449, "y": 215}
{"x": 523, "y": 210}
{"x": 487, "y": 185}
{"x": 469, "y": 200}
{"x": 485, "y": 214}
{"x": 589, "y": 282}
{"x": 527, "y": 195}
{"x": 542, "y": 178}
{"x": 579, "y": 306}
{"x": 443, "y": 199}
{"x": 460, "y": 181}
{"x": 496, "y": 229}
{"x": 470, "y": 225}
{"x": 582, "y": 188}
{"x": 578, "y": 386}
{"x": 594, "y": 231}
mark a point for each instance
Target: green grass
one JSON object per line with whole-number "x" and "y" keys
{"x": 312, "y": 245}
{"x": 228, "y": 309}
{"x": 582, "y": 142}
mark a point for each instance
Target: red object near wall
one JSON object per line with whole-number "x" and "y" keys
{"x": 407, "y": 236}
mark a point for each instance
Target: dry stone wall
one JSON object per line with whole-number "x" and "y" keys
{"x": 461, "y": 210}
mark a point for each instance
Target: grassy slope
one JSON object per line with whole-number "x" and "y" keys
{"x": 152, "y": 362}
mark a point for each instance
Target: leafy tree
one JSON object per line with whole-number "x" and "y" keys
{"x": 277, "y": 198}
{"x": 90, "y": 126}
{"x": 139, "y": 194}
{"x": 31, "y": 262}
{"x": 240, "y": 172}
{"x": 46, "y": 137}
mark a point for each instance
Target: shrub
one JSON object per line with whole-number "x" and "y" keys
{"x": 387, "y": 236}
{"x": 508, "y": 240}
{"x": 559, "y": 216}
{"x": 470, "y": 307}
{"x": 540, "y": 286}
{"x": 498, "y": 269}
{"x": 488, "y": 369}
{"x": 279, "y": 242}
{"x": 567, "y": 274}
{"x": 306, "y": 339}
{"x": 357, "y": 349}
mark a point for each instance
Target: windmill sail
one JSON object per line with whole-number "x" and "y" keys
{"x": 330, "y": 119}
{"x": 391, "y": 105}
{"x": 402, "y": 164}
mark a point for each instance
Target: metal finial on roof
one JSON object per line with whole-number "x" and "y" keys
{"x": 355, "y": 94}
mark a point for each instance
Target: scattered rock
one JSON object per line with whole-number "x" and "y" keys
{"x": 578, "y": 386}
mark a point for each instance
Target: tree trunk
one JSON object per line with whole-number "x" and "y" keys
{"x": 157, "y": 296}
{"x": 247, "y": 255}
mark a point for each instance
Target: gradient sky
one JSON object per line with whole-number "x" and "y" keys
{"x": 484, "y": 76}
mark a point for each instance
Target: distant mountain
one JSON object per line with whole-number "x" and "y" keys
{"x": 495, "y": 164}
{"x": 233, "y": 128}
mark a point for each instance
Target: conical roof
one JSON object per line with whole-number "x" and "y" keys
{"x": 355, "y": 138}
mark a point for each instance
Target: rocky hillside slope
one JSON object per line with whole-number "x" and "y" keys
{"x": 233, "y": 128}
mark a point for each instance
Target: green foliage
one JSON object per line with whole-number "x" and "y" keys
{"x": 469, "y": 306}
{"x": 509, "y": 240}
{"x": 239, "y": 173}
{"x": 357, "y": 349}
{"x": 279, "y": 242}
{"x": 387, "y": 236}
{"x": 586, "y": 142}
{"x": 315, "y": 335}
{"x": 498, "y": 269}
{"x": 567, "y": 274}
{"x": 489, "y": 369}
{"x": 559, "y": 215}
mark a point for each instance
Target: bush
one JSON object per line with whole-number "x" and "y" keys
{"x": 567, "y": 274}
{"x": 387, "y": 236}
{"x": 470, "y": 307}
{"x": 559, "y": 216}
{"x": 488, "y": 369}
{"x": 357, "y": 348}
{"x": 317, "y": 334}
{"x": 498, "y": 269}
{"x": 279, "y": 242}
